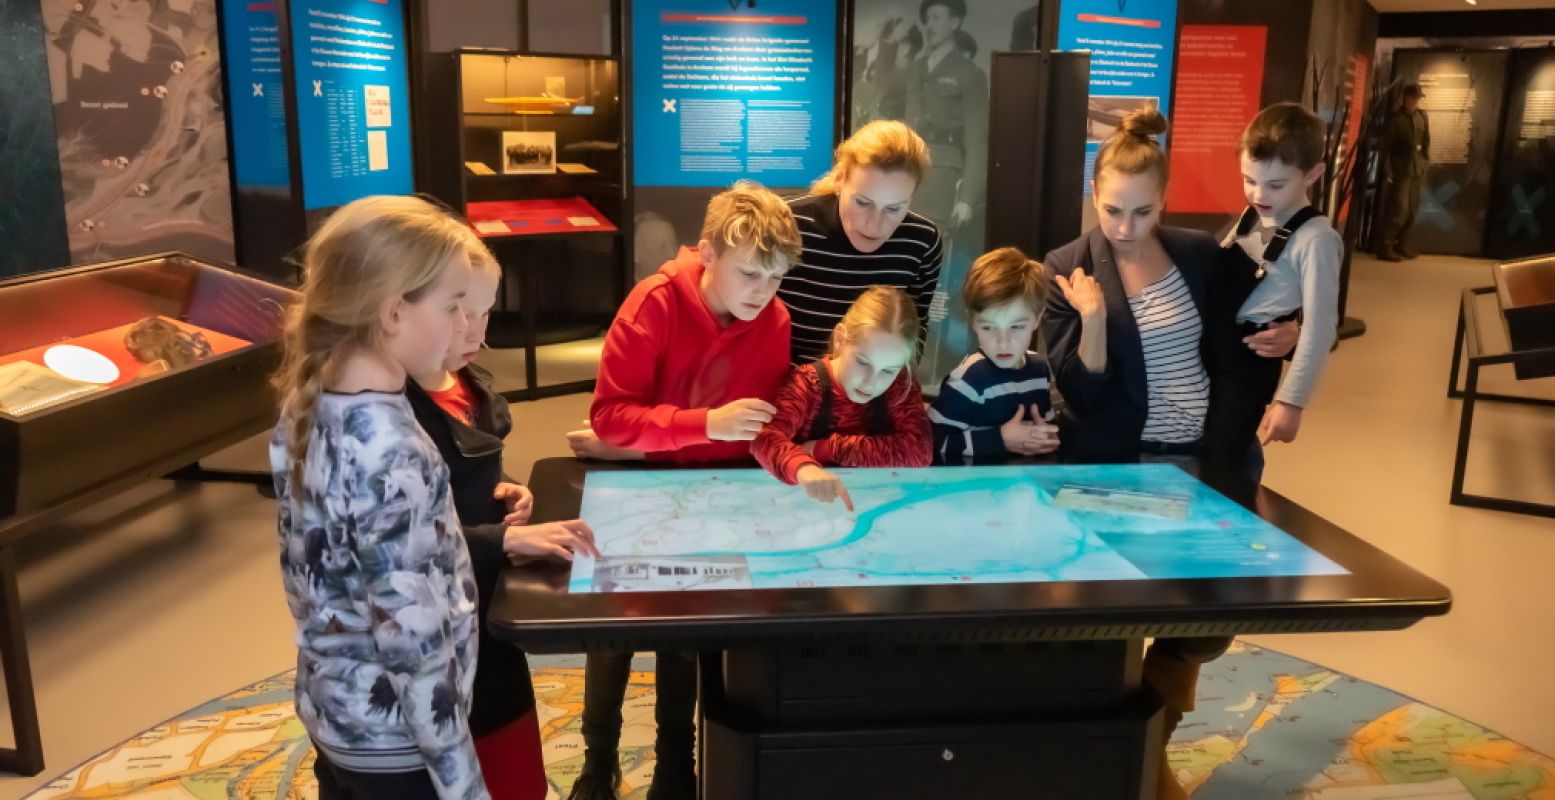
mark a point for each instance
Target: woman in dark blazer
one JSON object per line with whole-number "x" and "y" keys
{"x": 502, "y": 714}
{"x": 1094, "y": 338}
{"x": 1126, "y": 328}
{"x": 1104, "y": 412}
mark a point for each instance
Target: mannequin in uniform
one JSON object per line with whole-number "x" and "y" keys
{"x": 1406, "y": 156}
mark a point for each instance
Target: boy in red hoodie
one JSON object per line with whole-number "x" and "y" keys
{"x": 692, "y": 361}
{"x": 690, "y": 368}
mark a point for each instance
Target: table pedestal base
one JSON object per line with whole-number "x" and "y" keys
{"x": 907, "y": 721}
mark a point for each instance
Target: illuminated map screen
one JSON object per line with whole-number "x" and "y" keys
{"x": 674, "y": 530}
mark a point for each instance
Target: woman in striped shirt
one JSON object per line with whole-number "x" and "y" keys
{"x": 1126, "y": 331}
{"x": 857, "y": 232}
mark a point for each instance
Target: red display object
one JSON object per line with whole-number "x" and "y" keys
{"x": 1219, "y": 79}
{"x": 531, "y": 217}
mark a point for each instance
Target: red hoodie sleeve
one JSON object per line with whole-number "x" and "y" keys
{"x": 909, "y": 445}
{"x": 623, "y": 413}
{"x": 774, "y": 448}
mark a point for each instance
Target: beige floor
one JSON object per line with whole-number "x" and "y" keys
{"x": 166, "y": 597}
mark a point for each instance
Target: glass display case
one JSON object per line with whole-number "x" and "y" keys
{"x": 541, "y": 166}
{"x": 128, "y": 370}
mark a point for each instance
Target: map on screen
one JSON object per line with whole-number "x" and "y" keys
{"x": 673, "y": 530}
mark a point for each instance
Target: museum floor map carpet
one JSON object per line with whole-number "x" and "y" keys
{"x": 1267, "y": 726}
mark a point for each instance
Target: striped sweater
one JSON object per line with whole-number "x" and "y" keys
{"x": 831, "y": 273}
{"x": 1177, "y": 387}
{"x": 977, "y": 398}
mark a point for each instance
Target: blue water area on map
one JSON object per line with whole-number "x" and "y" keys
{"x": 1281, "y": 758}
{"x": 683, "y": 529}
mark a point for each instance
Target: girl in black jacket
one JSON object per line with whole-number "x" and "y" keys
{"x": 468, "y": 420}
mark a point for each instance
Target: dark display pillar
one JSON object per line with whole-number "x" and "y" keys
{"x": 1036, "y": 167}
{"x": 32, "y": 213}
{"x": 266, "y": 226}
{"x": 1522, "y": 217}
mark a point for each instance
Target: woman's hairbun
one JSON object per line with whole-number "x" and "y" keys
{"x": 1143, "y": 123}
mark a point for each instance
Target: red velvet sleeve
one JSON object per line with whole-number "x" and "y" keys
{"x": 775, "y": 448}
{"x": 910, "y": 444}
{"x": 624, "y": 412}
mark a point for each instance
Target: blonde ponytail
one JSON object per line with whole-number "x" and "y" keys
{"x": 886, "y": 144}
{"x": 367, "y": 254}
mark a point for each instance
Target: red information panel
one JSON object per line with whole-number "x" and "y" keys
{"x": 1219, "y": 79}
{"x": 529, "y": 217}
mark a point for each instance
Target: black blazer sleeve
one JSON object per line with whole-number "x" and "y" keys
{"x": 1081, "y": 388}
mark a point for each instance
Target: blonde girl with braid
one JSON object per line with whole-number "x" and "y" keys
{"x": 376, "y": 572}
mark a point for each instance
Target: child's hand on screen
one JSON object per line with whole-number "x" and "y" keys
{"x": 559, "y": 540}
{"x": 823, "y": 486}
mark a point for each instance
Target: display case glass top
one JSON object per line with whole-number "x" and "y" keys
{"x": 83, "y": 332}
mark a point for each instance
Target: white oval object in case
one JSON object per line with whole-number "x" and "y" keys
{"x": 81, "y": 364}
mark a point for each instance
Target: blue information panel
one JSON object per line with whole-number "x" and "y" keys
{"x": 353, "y": 99}
{"x": 742, "y": 529}
{"x": 723, "y": 91}
{"x": 1132, "y": 44}
{"x": 251, "y": 42}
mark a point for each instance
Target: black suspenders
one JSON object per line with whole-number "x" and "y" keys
{"x": 878, "y": 422}
{"x": 1276, "y": 245}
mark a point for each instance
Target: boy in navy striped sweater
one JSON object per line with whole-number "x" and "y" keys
{"x": 995, "y": 404}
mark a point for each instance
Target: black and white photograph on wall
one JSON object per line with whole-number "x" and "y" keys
{"x": 926, "y": 62}
{"x": 528, "y": 152}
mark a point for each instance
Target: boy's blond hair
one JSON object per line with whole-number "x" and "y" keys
{"x": 1285, "y": 131}
{"x": 1000, "y": 276}
{"x": 885, "y": 144}
{"x": 748, "y": 215}
{"x": 879, "y": 308}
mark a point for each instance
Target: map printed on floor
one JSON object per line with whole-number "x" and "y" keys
{"x": 1267, "y": 725}
{"x": 669, "y": 530}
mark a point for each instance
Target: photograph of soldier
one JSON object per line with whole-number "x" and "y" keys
{"x": 947, "y": 104}
{"x": 880, "y": 71}
{"x": 941, "y": 51}
{"x": 1406, "y": 156}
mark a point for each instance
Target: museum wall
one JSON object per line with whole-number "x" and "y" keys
{"x": 139, "y": 133}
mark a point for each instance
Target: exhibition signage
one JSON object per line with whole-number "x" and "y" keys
{"x": 1131, "y": 44}
{"x": 353, "y": 99}
{"x": 724, "y": 89}
{"x": 251, "y": 42}
{"x": 1219, "y": 78}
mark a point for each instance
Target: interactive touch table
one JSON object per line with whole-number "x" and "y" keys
{"x": 964, "y": 627}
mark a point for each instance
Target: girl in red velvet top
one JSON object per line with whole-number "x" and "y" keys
{"x": 857, "y": 407}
